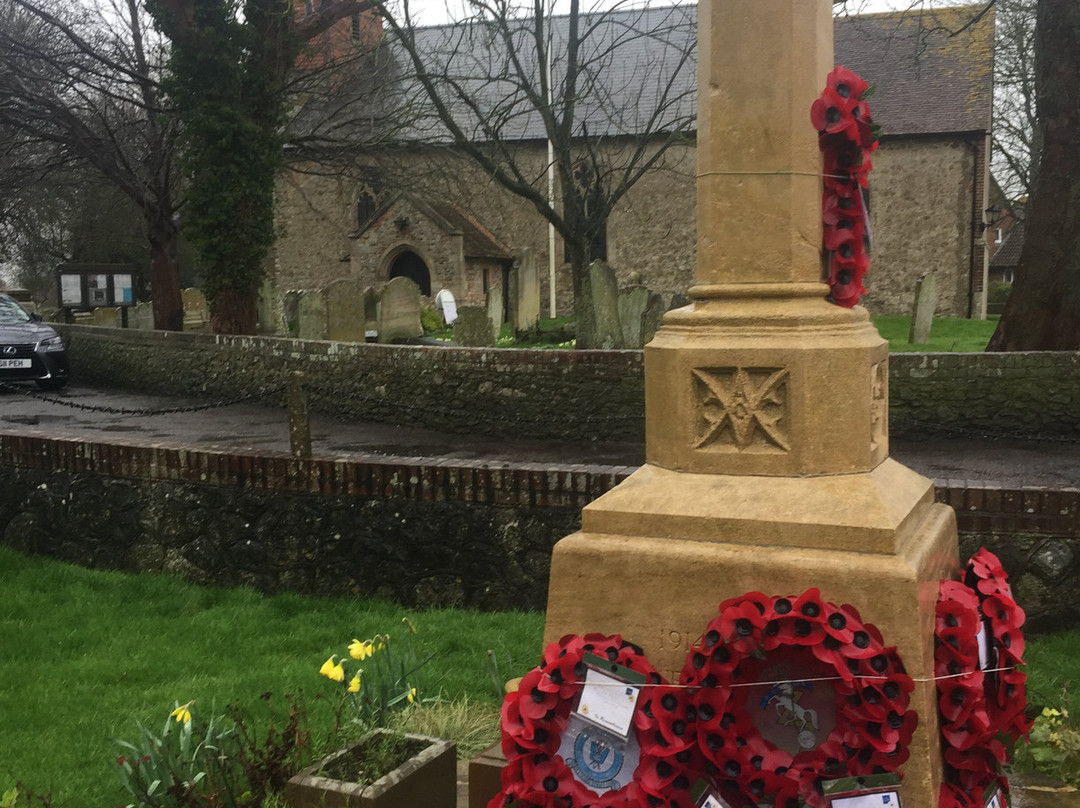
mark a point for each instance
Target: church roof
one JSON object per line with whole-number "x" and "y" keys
{"x": 932, "y": 69}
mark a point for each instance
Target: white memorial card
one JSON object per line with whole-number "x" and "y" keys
{"x": 608, "y": 702}
{"x": 713, "y": 801}
{"x": 876, "y": 799}
{"x": 984, "y": 648}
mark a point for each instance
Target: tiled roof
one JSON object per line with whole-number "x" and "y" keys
{"x": 931, "y": 73}
{"x": 1008, "y": 253}
{"x": 478, "y": 242}
{"x": 927, "y": 80}
{"x": 932, "y": 70}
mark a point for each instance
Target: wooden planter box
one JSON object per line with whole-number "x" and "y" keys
{"x": 426, "y": 780}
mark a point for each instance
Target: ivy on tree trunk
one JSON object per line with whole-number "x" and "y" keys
{"x": 226, "y": 80}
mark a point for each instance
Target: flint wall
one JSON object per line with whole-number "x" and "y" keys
{"x": 565, "y": 394}
{"x": 424, "y": 533}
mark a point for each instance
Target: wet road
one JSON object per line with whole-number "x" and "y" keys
{"x": 258, "y": 428}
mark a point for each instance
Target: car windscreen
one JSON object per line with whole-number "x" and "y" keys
{"x": 11, "y": 312}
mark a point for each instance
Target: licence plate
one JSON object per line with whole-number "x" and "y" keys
{"x": 14, "y": 363}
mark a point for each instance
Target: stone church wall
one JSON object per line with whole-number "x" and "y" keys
{"x": 921, "y": 214}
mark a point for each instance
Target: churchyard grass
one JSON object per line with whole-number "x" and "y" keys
{"x": 88, "y": 654}
{"x": 946, "y": 334}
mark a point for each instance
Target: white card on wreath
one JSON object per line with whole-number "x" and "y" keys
{"x": 876, "y": 799}
{"x": 608, "y": 702}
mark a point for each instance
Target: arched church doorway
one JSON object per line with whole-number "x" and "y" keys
{"x": 410, "y": 265}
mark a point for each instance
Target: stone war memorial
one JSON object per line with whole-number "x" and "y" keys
{"x": 768, "y": 608}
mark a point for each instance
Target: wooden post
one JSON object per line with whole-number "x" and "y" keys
{"x": 299, "y": 421}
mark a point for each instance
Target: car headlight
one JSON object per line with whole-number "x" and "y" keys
{"x": 54, "y": 343}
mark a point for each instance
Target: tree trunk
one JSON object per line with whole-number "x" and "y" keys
{"x": 584, "y": 315}
{"x": 1043, "y": 311}
{"x": 233, "y": 311}
{"x": 164, "y": 273}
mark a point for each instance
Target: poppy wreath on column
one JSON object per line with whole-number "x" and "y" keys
{"x": 965, "y": 726}
{"x": 846, "y": 136}
{"x": 535, "y": 716}
{"x": 830, "y": 648}
{"x": 1006, "y": 687}
{"x": 981, "y": 711}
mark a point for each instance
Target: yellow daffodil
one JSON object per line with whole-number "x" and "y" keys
{"x": 361, "y": 650}
{"x": 182, "y": 714}
{"x": 333, "y": 670}
{"x": 354, "y": 685}
{"x": 408, "y": 622}
{"x": 411, "y": 695}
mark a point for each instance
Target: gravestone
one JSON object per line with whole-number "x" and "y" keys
{"x": 399, "y": 311}
{"x": 311, "y": 315}
{"x": 268, "y": 312}
{"x": 446, "y": 306}
{"x": 371, "y": 313}
{"x": 290, "y": 311}
{"x": 345, "y": 321}
{"x": 766, "y": 433}
{"x": 107, "y": 316}
{"x": 495, "y": 308}
{"x": 639, "y": 315}
{"x": 472, "y": 328}
{"x": 142, "y": 317}
{"x": 196, "y": 311}
{"x": 525, "y": 293}
{"x": 605, "y": 305}
{"x": 922, "y": 314}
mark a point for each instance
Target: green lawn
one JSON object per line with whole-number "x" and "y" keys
{"x": 946, "y": 334}
{"x": 87, "y": 654}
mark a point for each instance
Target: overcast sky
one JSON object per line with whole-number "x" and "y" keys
{"x": 437, "y": 12}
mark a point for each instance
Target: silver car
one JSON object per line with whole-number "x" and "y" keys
{"x": 29, "y": 349}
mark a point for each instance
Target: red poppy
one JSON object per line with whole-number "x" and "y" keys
{"x": 830, "y": 115}
{"x": 952, "y": 796}
{"x": 535, "y": 703}
{"x": 846, "y": 83}
{"x": 986, "y": 569}
{"x": 741, "y": 624}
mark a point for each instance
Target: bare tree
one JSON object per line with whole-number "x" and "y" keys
{"x": 609, "y": 90}
{"x": 1015, "y": 122}
{"x": 78, "y": 87}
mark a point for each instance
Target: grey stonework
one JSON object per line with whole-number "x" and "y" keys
{"x": 922, "y": 192}
{"x": 436, "y": 552}
{"x": 418, "y": 553}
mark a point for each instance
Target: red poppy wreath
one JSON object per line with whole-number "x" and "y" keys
{"x": 979, "y": 709}
{"x": 847, "y": 136}
{"x": 823, "y": 697}
{"x": 536, "y": 716}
